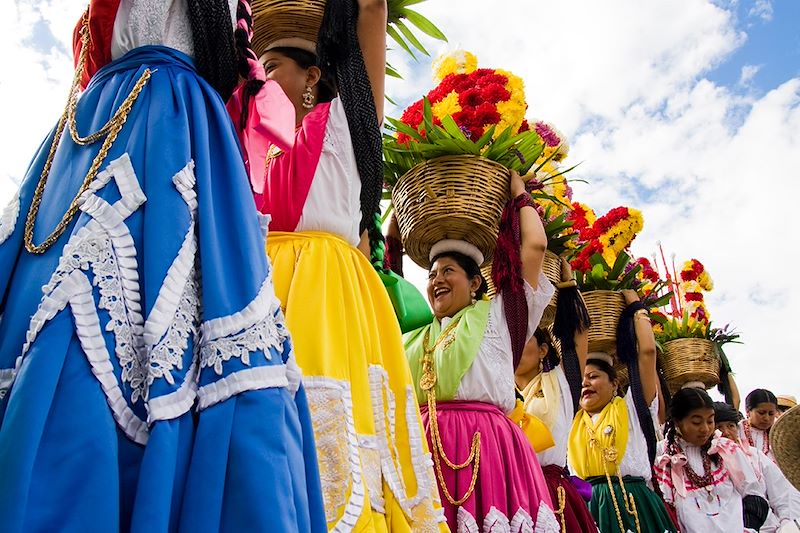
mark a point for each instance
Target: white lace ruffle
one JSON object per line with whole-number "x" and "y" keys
{"x": 330, "y": 400}
{"x": 496, "y": 521}
{"x": 174, "y": 316}
{"x": 8, "y": 220}
{"x": 260, "y": 377}
{"x": 383, "y": 400}
{"x": 150, "y": 350}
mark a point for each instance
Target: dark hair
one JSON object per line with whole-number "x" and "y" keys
{"x": 339, "y": 54}
{"x": 326, "y": 87}
{"x": 724, "y": 412}
{"x": 603, "y": 366}
{"x": 214, "y": 48}
{"x": 470, "y": 267}
{"x": 683, "y": 403}
{"x": 551, "y": 358}
{"x": 758, "y": 396}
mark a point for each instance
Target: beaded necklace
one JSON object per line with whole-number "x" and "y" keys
{"x": 749, "y": 436}
{"x": 706, "y": 481}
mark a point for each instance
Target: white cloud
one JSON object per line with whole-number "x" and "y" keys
{"x": 713, "y": 170}
{"x": 762, "y": 9}
{"x": 748, "y": 73}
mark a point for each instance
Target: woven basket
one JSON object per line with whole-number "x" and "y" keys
{"x": 686, "y": 360}
{"x": 605, "y": 308}
{"x": 552, "y": 270}
{"x": 450, "y": 197}
{"x": 281, "y": 19}
{"x": 784, "y": 438}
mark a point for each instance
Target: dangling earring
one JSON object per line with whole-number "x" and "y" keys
{"x": 308, "y": 98}
{"x": 472, "y": 294}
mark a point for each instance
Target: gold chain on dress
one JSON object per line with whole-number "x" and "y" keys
{"x": 110, "y": 131}
{"x": 610, "y": 455}
{"x": 427, "y": 383}
{"x": 562, "y": 507}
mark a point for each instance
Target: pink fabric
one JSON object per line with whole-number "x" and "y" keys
{"x": 270, "y": 120}
{"x": 727, "y": 449}
{"x": 289, "y": 175}
{"x": 509, "y": 476}
{"x": 675, "y": 465}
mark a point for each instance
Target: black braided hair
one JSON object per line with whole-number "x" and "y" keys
{"x": 244, "y": 54}
{"x": 572, "y": 370}
{"x": 628, "y": 352}
{"x": 470, "y": 267}
{"x": 214, "y": 47}
{"x": 339, "y": 53}
{"x": 551, "y": 358}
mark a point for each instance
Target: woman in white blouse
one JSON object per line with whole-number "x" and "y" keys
{"x": 463, "y": 371}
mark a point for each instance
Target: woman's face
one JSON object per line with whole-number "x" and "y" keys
{"x": 698, "y": 426}
{"x": 762, "y": 416}
{"x": 449, "y": 288}
{"x": 597, "y": 389}
{"x": 729, "y": 430}
{"x": 532, "y": 355}
{"x": 292, "y": 78}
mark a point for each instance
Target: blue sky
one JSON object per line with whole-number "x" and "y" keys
{"x": 773, "y": 44}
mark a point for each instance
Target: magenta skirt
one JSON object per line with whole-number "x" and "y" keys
{"x": 511, "y": 493}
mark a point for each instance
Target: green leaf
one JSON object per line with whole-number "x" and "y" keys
{"x": 423, "y": 24}
{"x": 411, "y": 37}
{"x": 399, "y": 40}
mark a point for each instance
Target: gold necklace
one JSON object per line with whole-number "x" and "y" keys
{"x": 110, "y": 131}
{"x": 427, "y": 383}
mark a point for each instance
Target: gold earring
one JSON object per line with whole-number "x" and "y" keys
{"x": 308, "y": 98}
{"x": 472, "y": 294}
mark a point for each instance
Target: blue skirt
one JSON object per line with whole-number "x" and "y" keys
{"x": 147, "y": 381}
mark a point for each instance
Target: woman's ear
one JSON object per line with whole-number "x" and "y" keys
{"x": 313, "y": 75}
{"x": 475, "y": 284}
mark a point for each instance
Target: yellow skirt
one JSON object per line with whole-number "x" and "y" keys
{"x": 374, "y": 464}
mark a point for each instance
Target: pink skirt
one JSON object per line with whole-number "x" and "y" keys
{"x": 511, "y": 493}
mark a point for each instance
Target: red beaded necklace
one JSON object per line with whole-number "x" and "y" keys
{"x": 748, "y": 434}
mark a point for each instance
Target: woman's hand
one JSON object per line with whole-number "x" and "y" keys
{"x": 517, "y": 186}
{"x": 630, "y": 296}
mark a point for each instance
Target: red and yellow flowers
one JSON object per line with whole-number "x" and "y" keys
{"x": 609, "y": 235}
{"x": 476, "y": 98}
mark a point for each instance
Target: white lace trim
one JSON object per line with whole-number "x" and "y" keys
{"x": 382, "y": 396}
{"x": 369, "y": 449}
{"x": 6, "y": 379}
{"x": 546, "y": 521}
{"x": 496, "y": 521}
{"x": 263, "y": 305}
{"x": 260, "y": 377}
{"x": 263, "y": 335}
{"x": 355, "y": 502}
{"x": 8, "y": 220}
{"x": 174, "y": 404}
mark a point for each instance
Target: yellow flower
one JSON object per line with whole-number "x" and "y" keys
{"x": 446, "y": 106}
{"x": 456, "y": 62}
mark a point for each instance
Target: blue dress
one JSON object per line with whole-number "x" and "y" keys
{"x": 147, "y": 381}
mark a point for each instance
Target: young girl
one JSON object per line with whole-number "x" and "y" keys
{"x": 762, "y": 408}
{"x": 705, "y": 476}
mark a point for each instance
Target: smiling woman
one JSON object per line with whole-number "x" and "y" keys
{"x": 463, "y": 371}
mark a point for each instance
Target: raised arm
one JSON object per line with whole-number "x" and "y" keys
{"x": 646, "y": 342}
{"x": 533, "y": 238}
{"x": 372, "y": 38}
